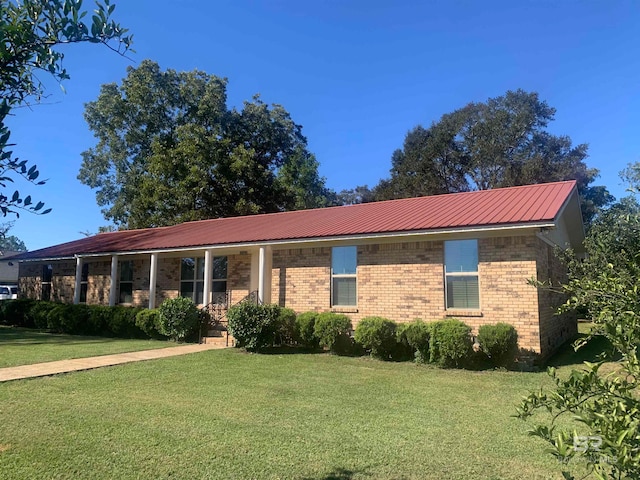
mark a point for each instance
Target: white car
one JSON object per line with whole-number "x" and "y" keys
{"x": 8, "y": 292}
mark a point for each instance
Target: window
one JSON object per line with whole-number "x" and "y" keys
{"x": 192, "y": 279}
{"x": 461, "y": 274}
{"x": 343, "y": 276}
{"x": 219, "y": 284}
{"x": 47, "y": 276}
{"x": 84, "y": 279}
{"x": 126, "y": 282}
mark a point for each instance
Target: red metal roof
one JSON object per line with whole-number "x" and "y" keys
{"x": 504, "y": 206}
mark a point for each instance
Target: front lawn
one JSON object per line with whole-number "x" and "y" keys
{"x": 227, "y": 414}
{"x": 22, "y": 346}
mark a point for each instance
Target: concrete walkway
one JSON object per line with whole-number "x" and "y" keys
{"x": 88, "y": 363}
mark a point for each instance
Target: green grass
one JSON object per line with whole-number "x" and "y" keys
{"x": 21, "y": 346}
{"x": 227, "y": 414}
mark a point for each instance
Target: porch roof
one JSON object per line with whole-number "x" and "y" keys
{"x": 529, "y": 205}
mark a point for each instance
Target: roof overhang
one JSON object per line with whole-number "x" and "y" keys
{"x": 366, "y": 237}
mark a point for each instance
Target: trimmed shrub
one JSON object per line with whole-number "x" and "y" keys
{"x": 450, "y": 343}
{"x": 415, "y": 337}
{"x": 98, "y": 321}
{"x": 305, "y": 323}
{"x": 38, "y": 313}
{"x": 377, "y": 335}
{"x": 148, "y": 321}
{"x": 500, "y": 343}
{"x": 59, "y": 319}
{"x": 286, "y": 330}
{"x": 121, "y": 322}
{"x": 179, "y": 318}
{"x": 332, "y": 331}
{"x": 79, "y": 320}
{"x": 254, "y": 326}
{"x": 14, "y": 312}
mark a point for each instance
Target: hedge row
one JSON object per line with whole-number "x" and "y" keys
{"x": 178, "y": 319}
{"x": 255, "y": 327}
{"x": 446, "y": 343}
{"x": 72, "y": 319}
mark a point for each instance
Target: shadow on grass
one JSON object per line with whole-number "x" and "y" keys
{"x": 23, "y": 336}
{"x": 339, "y": 474}
{"x": 590, "y": 352}
{"x": 285, "y": 350}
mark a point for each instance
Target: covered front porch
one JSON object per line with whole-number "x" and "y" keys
{"x": 145, "y": 279}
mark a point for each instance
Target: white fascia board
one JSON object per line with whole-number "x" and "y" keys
{"x": 297, "y": 242}
{"x": 52, "y": 259}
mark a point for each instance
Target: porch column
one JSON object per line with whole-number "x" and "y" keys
{"x": 208, "y": 277}
{"x": 114, "y": 280}
{"x": 264, "y": 275}
{"x": 153, "y": 275}
{"x": 261, "y": 264}
{"x": 78, "y": 286}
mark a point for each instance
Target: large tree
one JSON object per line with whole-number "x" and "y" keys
{"x": 10, "y": 242}
{"x": 169, "y": 150}
{"x": 502, "y": 142}
{"x": 594, "y": 412}
{"x": 31, "y": 32}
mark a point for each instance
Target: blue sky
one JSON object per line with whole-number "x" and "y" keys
{"x": 357, "y": 75}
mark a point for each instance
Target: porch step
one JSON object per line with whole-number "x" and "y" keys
{"x": 218, "y": 337}
{"x": 221, "y": 341}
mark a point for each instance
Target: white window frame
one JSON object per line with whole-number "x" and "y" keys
{"x": 48, "y": 283}
{"x": 198, "y": 261}
{"x": 221, "y": 296}
{"x": 121, "y": 282}
{"x": 475, "y": 274}
{"x": 84, "y": 282}
{"x": 344, "y": 275}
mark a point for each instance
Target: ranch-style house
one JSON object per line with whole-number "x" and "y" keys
{"x": 464, "y": 255}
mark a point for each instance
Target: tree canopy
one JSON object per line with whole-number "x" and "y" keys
{"x": 602, "y": 400}
{"x": 10, "y": 242}
{"x": 170, "y": 150}
{"x": 31, "y": 30}
{"x": 502, "y": 142}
